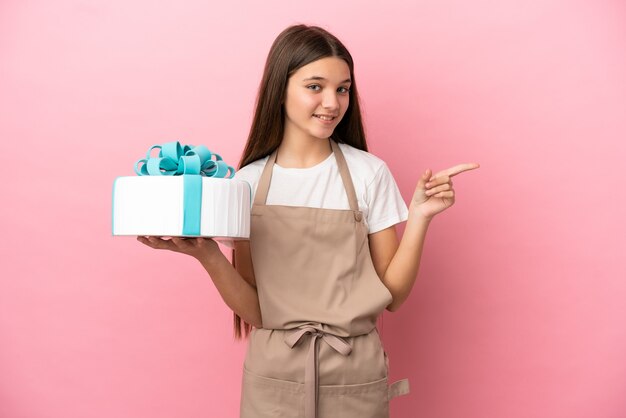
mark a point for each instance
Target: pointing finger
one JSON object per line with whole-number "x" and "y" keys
{"x": 457, "y": 169}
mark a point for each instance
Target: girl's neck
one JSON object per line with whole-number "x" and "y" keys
{"x": 302, "y": 153}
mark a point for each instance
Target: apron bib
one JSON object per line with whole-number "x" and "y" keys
{"x": 319, "y": 353}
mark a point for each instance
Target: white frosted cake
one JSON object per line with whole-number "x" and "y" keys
{"x": 149, "y": 205}
{"x": 173, "y": 196}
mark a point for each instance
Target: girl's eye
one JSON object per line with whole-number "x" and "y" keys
{"x": 345, "y": 89}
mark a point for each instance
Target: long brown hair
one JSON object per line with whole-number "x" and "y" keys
{"x": 295, "y": 47}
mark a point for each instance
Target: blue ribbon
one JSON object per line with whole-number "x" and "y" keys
{"x": 192, "y": 163}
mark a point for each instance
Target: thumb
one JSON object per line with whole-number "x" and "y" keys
{"x": 421, "y": 184}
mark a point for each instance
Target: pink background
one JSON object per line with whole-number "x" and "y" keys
{"x": 519, "y": 307}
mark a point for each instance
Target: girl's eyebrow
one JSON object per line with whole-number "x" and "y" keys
{"x": 347, "y": 80}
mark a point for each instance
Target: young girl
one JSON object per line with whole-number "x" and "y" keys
{"x": 323, "y": 260}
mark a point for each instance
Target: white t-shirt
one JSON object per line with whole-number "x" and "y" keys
{"x": 321, "y": 186}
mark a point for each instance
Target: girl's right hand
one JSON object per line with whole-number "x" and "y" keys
{"x": 199, "y": 248}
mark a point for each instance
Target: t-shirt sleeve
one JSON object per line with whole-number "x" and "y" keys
{"x": 245, "y": 174}
{"x": 251, "y": 174}
{"x": 385, "y": 203}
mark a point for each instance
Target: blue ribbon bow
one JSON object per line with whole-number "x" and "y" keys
{"x": 192, "y": 163}
{"x": 176, "y": 159}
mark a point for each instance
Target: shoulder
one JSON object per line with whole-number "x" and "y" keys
{"x": 252, "y": 171}
{"x": 363, "y": 163}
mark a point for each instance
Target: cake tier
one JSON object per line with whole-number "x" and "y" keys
{"x": 154, "y": 205}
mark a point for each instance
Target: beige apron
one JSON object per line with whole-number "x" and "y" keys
{"x": 319, "y": 354}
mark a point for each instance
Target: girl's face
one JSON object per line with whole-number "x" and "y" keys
{"x": 317, "y": 97}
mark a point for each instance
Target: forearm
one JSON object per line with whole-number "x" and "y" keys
{"x": 404, "y": 266}
{"x": 237, "y": 293}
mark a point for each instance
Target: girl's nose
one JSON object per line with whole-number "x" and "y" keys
{"x": 330, "y": 101}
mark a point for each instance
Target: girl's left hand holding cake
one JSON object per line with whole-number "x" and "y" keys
{"x": 199, "y": 248}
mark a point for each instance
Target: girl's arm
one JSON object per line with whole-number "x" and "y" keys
{"x": 397, "y": 264}
{"x": 243, "y": 262}
{"x": 237, "y": 292}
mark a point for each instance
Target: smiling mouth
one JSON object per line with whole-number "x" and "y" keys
{"x": 324, "y": 117}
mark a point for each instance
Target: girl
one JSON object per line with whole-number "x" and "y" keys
{"x": 323, "y": 260}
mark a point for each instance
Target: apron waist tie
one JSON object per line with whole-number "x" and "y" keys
{"x": 311, "y": 370}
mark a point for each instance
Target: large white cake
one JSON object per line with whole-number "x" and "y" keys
{"x": 184, "y": 191}
{"x": 151, "y": 205}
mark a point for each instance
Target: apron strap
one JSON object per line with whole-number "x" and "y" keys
{"x": 311, "y": 370}
{"x": 264, "y": 182}
{"x": 263, "y": 186}
{"x": 398, "y": 388}
{"x": 345, "y": 176}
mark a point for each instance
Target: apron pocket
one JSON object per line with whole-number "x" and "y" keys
{"x": 363, "y": 400}
{"x": 263, "y": 397}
